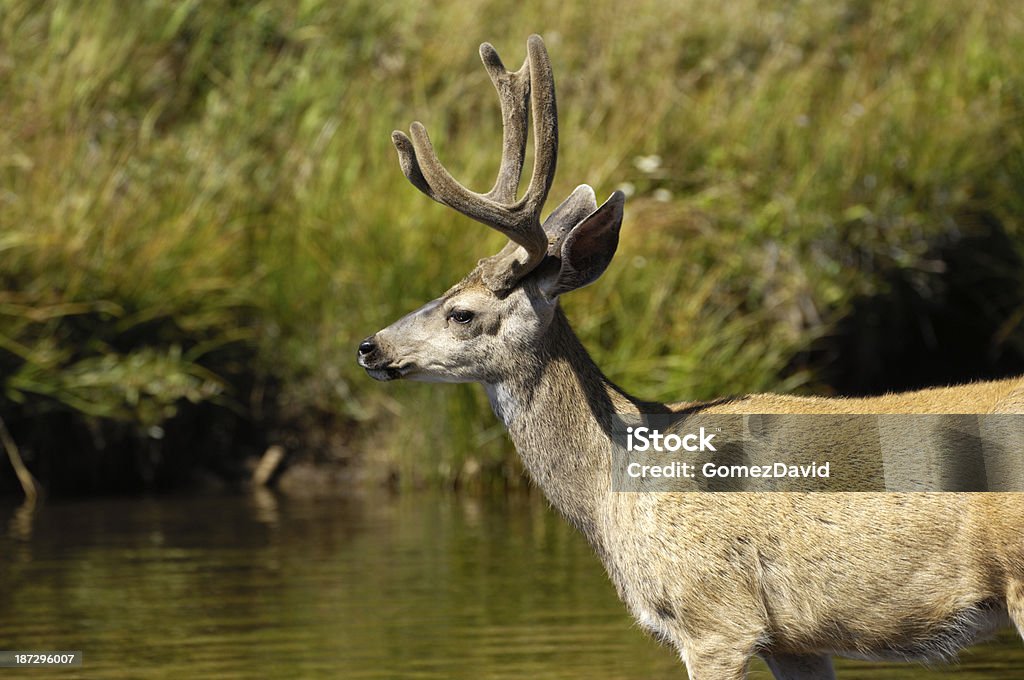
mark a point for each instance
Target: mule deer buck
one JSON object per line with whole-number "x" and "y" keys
{"x": 721, "y": 577}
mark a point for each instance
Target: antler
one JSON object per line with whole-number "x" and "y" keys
{"x": 498, "y": 208}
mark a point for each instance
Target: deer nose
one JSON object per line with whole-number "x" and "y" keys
{"x": 367, "y": 347}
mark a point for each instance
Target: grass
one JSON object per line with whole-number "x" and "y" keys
{"x": 200, "y": 208}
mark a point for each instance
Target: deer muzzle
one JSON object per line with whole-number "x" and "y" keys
{"x": 377, "y": 364}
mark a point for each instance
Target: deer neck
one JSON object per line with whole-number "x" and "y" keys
{"x": 558, "y": 408}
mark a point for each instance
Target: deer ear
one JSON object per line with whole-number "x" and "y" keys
{"x": 572, "y": 211}
{"x": 587, "y": 249}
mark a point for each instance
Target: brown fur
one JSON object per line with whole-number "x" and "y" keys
{"x": 787, "y": 576}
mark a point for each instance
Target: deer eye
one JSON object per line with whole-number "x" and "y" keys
{"x": 460, "y": 316}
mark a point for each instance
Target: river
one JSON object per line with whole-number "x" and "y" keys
{"x": 256, "y": 585}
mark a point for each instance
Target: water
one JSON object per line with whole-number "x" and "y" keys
{"x": 259, "y": 586}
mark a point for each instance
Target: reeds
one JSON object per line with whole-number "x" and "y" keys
{"x": 197, "y": 198}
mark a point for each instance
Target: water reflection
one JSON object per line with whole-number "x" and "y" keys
{"x": 20, "y": 524}
{"x": 263, "y": 586}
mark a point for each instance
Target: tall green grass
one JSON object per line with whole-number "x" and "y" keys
{"x": 199, "y": 202}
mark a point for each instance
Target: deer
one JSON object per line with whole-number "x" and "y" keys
{"x": 794, "y": 578}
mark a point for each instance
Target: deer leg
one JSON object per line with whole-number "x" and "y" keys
{"x": 1015, "y": 604}
{"x": 792, "y": 667}
{"x": 709, "y": 661}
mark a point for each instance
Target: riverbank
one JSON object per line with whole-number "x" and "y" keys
{"x": 201, "y": 215}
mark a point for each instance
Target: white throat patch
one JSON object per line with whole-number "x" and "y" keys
{"x": 502, "y": 403}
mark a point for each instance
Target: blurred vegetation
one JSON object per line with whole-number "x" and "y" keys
{"x": 201, "y": 213}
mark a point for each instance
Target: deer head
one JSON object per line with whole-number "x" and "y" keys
{"x": 493, "y": 320}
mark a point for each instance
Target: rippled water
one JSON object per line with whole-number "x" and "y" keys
{"x": 259, "y": 586}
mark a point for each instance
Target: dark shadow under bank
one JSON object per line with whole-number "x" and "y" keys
{"x": 957, "y": 319}
{"x": 205, "y": 446}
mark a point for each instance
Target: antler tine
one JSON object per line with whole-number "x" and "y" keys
{"x": 498, "y": 208}
{"x": 514, "y": 95}
{"x": 545, "y": 126}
